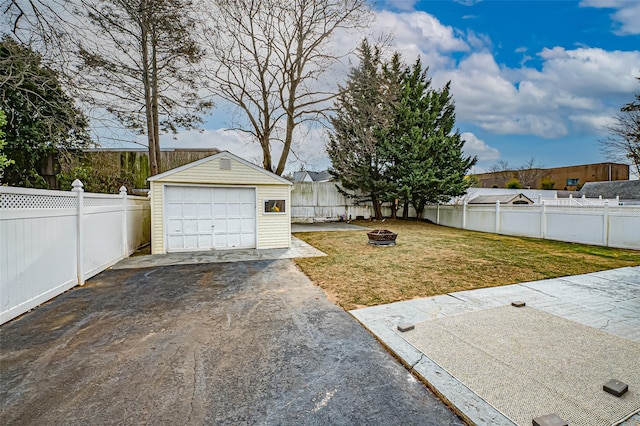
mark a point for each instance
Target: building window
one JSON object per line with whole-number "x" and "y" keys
{"x": 274, "y": 206}
{"x": 572, "y": 182}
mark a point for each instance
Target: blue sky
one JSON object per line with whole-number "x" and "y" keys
{"x": 531, "y": 79}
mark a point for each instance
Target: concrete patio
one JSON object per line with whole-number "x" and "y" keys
{"x": 607, "y": 300}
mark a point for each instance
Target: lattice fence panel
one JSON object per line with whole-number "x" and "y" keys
{"x": 31, "y": 201}
{"x": 102, "y": 201}
{"x": 627, "y": 210}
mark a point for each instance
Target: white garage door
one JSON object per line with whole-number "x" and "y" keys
{"x": 203, "y": 218}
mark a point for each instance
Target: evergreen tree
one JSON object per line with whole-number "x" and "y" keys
{"x": 438, "y": 165}
{"x": 394, "y": 136}
{"x": 41, "y": 117}
{"x": 4, "y": 161}
{"x": 364, "y": 115}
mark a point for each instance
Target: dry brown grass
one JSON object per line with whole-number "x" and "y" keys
{"x": 429, "y": 260}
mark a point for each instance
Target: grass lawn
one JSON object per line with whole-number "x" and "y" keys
{"x": 429, "y": 260}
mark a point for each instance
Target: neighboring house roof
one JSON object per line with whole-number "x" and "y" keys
{"x": 323, "y": 176}
{"x": 223, "y": 154}
{"x": 625, "y": 189}
{"x": 502, "y": 198}
{"x": 301, "y": 176}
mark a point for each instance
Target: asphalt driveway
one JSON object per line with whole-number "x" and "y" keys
{"x": 224, "y": 343}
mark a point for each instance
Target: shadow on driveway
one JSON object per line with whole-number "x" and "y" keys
{"x": 225, "y": 343}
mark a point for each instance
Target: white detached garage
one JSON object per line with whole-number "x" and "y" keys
{"x": 221, "y": 202}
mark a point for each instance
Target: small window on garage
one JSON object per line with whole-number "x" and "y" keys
{"x": 274, "y": 206}
{"x": 572, "y": 182}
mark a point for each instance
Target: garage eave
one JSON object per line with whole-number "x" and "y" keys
{"x": 223, "y": 154}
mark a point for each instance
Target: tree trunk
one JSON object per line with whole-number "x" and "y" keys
{"x": 405, "y": 210}
{"x": 266, "y": 153}
{"x": 419, "y": 206}
{"x": 377, "y": 207}
{"x": 287, "y": 144}
{"x": 148, "y": 108}
{"x": 154, "y": 100}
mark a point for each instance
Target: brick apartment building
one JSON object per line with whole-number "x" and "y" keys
{"x": 569, "y": 178}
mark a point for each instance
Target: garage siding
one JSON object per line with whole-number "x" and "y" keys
{"x": 271, "y": 226}
{"x": 157, "y": 233}
{"x": 239, "y": 174}
{"x": 273, "y": 230}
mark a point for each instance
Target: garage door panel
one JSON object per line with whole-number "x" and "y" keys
{"x": 205, "y": 195}
{"x": 205, "y": 241}
{"x": 204, "y": 226}
{"x": 220, "y": 240}
{"x": 234, "y": 225}
{"x": 190, "y": 210}
{"x": 220, "y": 210}
{"x": 248, "y": 211}
{"x": 247, "y": 239}
{"x": 201, "y": 218}
{"x": 233, "y": 210}
{"x": 175, "y": 226}
{"x": 175, "y": 242}
{"x": 191, "y": 242}
{"x": 247, "y": 197}
{"x": 173, "y": 194}
{"x": 190, "y": 226}
{"x": 174, "y": 210}
{"x": 233, "y": 240}
{"x": 190, "y": 194}
{"x": 204, "y": 210}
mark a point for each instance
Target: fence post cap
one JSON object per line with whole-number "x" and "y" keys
{"x": 77, "y": 185}
{"x": 123, "y": 190}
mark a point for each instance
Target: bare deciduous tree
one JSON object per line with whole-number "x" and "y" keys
{"x": 139, "y": 62}
{"x": 269, "y": 55}
{"x": 530, "y": 173}
{"x": 623, "y": 142}
{"x": 527, "y": 175}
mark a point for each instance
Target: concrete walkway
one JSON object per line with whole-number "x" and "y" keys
{"x": 607, "y": 300}
{"x": 298, "y": 249}
{"x": 326, "y": 226}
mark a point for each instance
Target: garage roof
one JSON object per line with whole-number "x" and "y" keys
{"x": 223, "y": 154}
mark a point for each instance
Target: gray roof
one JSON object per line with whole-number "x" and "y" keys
{"x": 322, "y": 176}
{"x": 625, "y": 189}
{"x": 503, "y": 198}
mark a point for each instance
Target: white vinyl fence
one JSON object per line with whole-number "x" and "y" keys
{"x": 51, "y": 241}
{"x": 603, "y": 225}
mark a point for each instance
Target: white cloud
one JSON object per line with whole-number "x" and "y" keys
{"x": 571, "y": 83}
{"x": 400, "y": 4}
{"x": 626, "y": 15}
{"x": 416, "y": 32}
{"x": 474, "y": 146}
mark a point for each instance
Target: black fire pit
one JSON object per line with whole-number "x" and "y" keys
{"x": 382, "y": 237}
